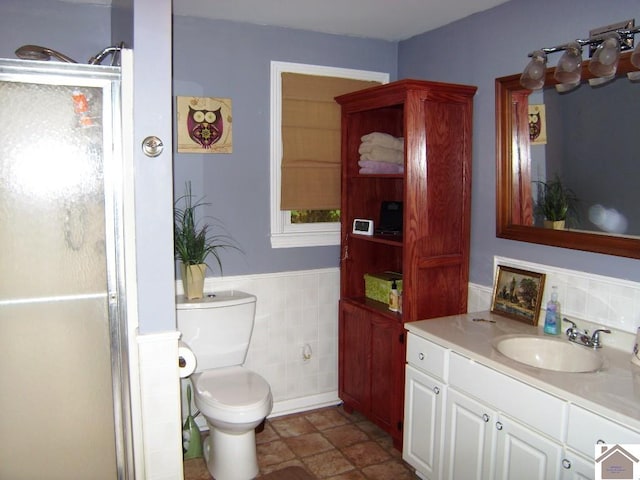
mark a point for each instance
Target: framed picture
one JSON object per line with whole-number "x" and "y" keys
{"x": 537, "y": 125}
{"x": 204, "y": 125}
{"x": 517, "y": 294}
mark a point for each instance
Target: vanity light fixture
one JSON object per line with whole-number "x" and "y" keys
{"x": 605, "y": 45}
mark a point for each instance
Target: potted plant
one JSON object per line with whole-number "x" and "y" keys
{"x": 194, "y": 242}
{"x": 555, "y": 202}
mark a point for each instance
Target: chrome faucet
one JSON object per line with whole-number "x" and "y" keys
{"x": 581, "y": 337}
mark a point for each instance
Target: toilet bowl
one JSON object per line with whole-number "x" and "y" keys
{"x": 233, "y": 399}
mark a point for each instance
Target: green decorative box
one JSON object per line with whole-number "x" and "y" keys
{"x": 377, "y": 286}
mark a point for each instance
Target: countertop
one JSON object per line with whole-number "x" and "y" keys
{"x": 612, "y": 391}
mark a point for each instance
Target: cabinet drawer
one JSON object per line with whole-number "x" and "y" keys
{"x": 534, "y": 407}
{"x": 586, "y": 429}
{"x": 427, "y": 356}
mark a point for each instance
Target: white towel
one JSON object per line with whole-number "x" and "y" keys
{"x": 381, "y": 154}
{"x": 368, "y": 147}
{"x": 384, "y": 140}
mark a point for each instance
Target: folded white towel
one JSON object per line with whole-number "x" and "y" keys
{"x": 368, "y": 147}
{"x": 384, "y": 140}
{"x": 381, "y": 154}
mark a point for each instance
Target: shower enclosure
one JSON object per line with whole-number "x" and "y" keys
{"x": 63, "y": 375}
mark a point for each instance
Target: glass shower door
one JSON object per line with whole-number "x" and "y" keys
{"x": 59, "y": 321}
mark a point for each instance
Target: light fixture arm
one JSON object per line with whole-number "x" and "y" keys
{"x": 627, "y": 36}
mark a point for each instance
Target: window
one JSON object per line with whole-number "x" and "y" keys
{"x": 300, "y": 228}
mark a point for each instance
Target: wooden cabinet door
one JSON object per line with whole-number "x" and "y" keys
{"x": 354, "y": 357}
{"x": 469, "y": 446}
{"x": 386, "y": 367}
{"x": 423, "y": 422}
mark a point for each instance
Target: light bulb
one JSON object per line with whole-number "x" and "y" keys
{"x": 568, "y": 70}
{"x": 605, "y": 59}
{"x": 533, "y": 74}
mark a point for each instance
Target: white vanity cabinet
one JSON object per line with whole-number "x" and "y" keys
{"x": 483, "y": 439}
{"x": 425, "y": 392}
{"x": 495, "y": 419}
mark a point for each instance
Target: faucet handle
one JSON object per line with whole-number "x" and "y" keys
{"x": 572, "y": 331}
{"x": 595, "y": 337}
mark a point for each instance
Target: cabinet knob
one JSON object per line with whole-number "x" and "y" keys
{"x": 421, "y": 356}
{"x": 566, "y": 464}
{"x": 498, "y": 425}
{"x": 485, "y": 417}
{"x": 436, "y": 390}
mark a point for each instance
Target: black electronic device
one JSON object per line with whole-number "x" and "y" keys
{"x": 390, "y": 219}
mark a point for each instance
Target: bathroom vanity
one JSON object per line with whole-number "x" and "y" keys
{"x": 473, "y": 413}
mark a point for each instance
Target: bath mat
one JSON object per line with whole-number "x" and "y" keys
{"x": 289, "y": 473}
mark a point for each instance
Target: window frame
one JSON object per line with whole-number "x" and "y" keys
{"x": 285, "y": 234}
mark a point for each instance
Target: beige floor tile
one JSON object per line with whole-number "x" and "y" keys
{"x": 309, "y": 444}
{"x": 267, "y": 435}
{"x": 352, "y": 475}
{"x": 274, "y": 452}
{"x": 389, "y": 470}
{"x": 345, "y": 435}
{"x": 366, "y": 453}
{"x": 326, "y": 418}
{"x": 328, "y": 442}
{"x": 292, "y": 426}
{"x": 328, "y": 464}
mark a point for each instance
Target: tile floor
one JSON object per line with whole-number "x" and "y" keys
{"x": 328, "y": 442}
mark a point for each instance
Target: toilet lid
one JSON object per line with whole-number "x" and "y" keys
{"x": 231, "y": 387}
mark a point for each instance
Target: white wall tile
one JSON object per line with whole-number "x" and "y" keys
{"x": 606, "y": 301}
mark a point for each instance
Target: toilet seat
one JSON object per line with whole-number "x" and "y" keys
{"x": 232, "y": 394}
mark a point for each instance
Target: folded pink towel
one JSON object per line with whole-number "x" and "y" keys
{"x": 384, "y": 140}
{"x": 370, "y": 166}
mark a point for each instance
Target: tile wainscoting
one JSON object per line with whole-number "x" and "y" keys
{"x": 294, "y": 309}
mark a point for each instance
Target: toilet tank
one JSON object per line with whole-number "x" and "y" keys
{"x": 217, "y": 328}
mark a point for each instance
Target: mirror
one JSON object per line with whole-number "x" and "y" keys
{"x": 521, "y": 163}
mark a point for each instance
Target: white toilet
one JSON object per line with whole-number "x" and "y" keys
{"x": 233, "y": 399}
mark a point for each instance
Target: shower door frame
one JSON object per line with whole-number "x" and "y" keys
{"x": 110, "y": 80}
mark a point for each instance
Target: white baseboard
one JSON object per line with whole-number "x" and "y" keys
{"x": 302, "y": 404}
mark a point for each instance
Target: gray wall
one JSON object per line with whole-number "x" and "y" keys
{"x": 495, "y": 43}
{"x": 232, "y": 60}
{"x": 79, "y": 31}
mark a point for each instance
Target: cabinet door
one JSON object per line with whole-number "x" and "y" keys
{"x": 470, "y": 437}
{"x": 387, "y": 373}
{"x": 523, "y": 454}
{"x": 577, "y": 467}
{"x": 354, "y": 353}
{"x": 423, "y": 422}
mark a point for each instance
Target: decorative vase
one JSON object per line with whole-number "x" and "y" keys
{"x": 555, "y": 225}
{"x": 193, "y": 280}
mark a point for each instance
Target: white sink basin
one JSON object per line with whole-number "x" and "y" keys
{"x": 548, "y": 353}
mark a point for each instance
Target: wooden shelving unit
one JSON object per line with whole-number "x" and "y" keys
{"x": 433, "y": 251}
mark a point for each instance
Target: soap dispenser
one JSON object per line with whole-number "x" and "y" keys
{"x": 393, "y": 297}
{"x": 552, "y": 320}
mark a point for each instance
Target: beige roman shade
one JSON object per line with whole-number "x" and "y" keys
{"x": 311, "y": 140}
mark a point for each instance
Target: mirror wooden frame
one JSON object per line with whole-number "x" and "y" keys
{"x": 513, "y": 179}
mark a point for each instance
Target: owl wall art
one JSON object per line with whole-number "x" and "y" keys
{"x": 204, "y": 125}
{"x": 537, "y": 125}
